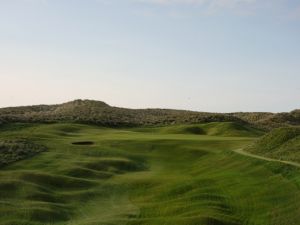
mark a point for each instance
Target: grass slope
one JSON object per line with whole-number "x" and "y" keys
{"x": 143, "y": 178}
{"x": 228, "y": 129}
{"x": 281, "y": 143}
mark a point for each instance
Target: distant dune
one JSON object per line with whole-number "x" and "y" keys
{"x": 100, "y": 113}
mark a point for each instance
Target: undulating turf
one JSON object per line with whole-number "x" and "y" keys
{"x": 139, "y": 177}
{"x": 226, "y": 129}
{"x": 281, "y": 143}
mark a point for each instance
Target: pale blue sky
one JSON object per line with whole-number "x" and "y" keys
{"x": 206, "y": 55}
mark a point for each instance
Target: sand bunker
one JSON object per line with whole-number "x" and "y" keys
{"x": 83, "y": 143}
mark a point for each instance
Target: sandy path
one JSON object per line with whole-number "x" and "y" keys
{"x": 242, "y": 152}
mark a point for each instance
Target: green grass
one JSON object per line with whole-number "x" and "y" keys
{"x": 226, "y": 129}
{"x": 144, "y": 177}
{"x": 280, "y": 143}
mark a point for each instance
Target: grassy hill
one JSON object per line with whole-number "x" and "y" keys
{"x": 92, "y": 175}
{"x": 100, "y": 113}
{"x": 270, "y": 120}
{"x": 226, "y": 129}
{"x": 97, "y": 112}
{"x": 281, "y": 143}
{"x": 87, "y": 163}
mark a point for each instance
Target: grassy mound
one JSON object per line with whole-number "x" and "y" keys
{"x": 100, "y": 113}
{"x": 280, "y": 143}
{"x": 228, "y": 129}
{"x": 231, "y": 129}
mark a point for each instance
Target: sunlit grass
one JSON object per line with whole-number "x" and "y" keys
{"x": 130, "y": 176}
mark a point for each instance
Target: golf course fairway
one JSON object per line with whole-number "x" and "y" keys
{"x": 92, "y": 175}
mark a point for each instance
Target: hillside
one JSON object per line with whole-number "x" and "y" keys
{"x": 270, "y": 120}
{"x": 225, "y": 129}
{"x": 100, "y": 113}
{"x": 281, "y": 143}
{"x": 97, "y": 112}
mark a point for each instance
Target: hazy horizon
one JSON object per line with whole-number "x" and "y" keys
{"x": 201, "y": 55}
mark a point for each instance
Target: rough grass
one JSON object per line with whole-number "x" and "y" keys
{"x": 144, "y": 178}
{"x": 100, "y": 113}
{"x": 281, "y": 143}
{"x": 15, "y": 150}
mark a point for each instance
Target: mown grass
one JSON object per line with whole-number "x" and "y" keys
{"x": 141, "y": 177}
{"x": 226, "y": 129}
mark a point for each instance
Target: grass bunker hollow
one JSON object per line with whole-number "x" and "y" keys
{"x": 83, "y": 143}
